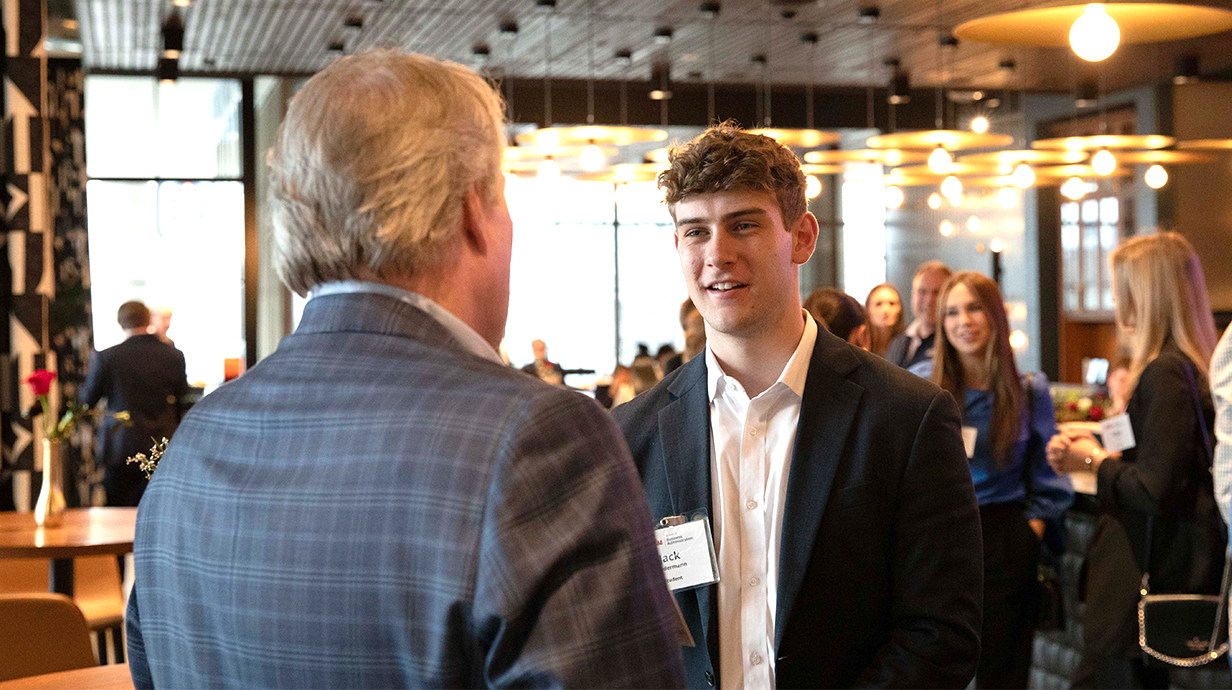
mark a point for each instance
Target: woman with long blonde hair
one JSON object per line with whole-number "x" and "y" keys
{"x": 1157, "y": 505}
{"x": 1007, "y": 419}
{"x": 885, "y": 317}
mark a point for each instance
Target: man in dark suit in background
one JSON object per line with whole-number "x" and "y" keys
{"x": 382, "y": 502}
{"x": 915, "y": 344}
{"x": 846, "y": 527}
{"x": 145, "y": 377}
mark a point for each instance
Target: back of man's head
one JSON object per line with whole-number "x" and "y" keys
{"x": 133, "y": 314}
{"x": 372, "y": 165}
{"x": 726, "y": 158}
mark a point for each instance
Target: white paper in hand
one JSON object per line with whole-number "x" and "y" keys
{"x": 1117, "y": 433}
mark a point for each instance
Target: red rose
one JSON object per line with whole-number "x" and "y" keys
{"x": 1096, "y": 413}
{"x": 1073, "y": 407}
{"x": 40, "y": 381}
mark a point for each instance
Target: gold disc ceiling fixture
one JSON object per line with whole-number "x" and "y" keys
{"x": 948, "y": 139}
{"x": 1105, "y": 141}
{"x": 1138, "y": 23}
{"x": 625, "y": 172}
{"x": 1205, "y": 144}
{"x": 1010, "y": 157}
{"x": 800, "y": 138}
{"x": 1168, "y": 157}
{"x": 587, "y": 134}
{"x": 889, "y": 157}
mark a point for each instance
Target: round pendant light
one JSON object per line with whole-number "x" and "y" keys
{"x": 1138, "y": 22}
{"x": 951, "y": 187}
{"x": 812, "y": 186}
{"x": 946, "y": 228}
{"x": 1023, "y": 176}
{"x": 979, "y": 125}
{"x": 1094, "y": 35}
{"x": 1156, "y": 176}
{"x": 939, "y": 161}
{"x": 1074, "y": 188}
{"x": 934, "y": 201}
{"x": 894, "y": 197}
{"x": 1103, "y": 162}
{"x": 1007, "y": 197}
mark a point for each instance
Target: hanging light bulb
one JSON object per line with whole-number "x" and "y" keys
{"x": 939, "y": 161}
{"x": 1007, "y": 197}
{"x": 951, "y": 187}
{"x": 973, "y": 224}
{"x": 893, "y": 197}
{"x": 979, "y": 125}
{"x": 1018, "y": 339}
{"x": 946, "y": 228}
{"x": 956, "y": 201}
{"x": 1103, "y": 162}
{"x": 1094, "y": 36}
{"x": 1156, "y": 176}
{"x": 548, "y": 169}
{"x": 592, "y": 157}
{"x": 1074, "y": 188}
{"x": 996, "y": 245}
{"x": 812, "y": 186}
{"x": 1023, "y": 176}
{"x": 934, "y": 201}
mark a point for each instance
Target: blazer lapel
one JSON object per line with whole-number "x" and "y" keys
{"x": 684, "y": 427}
{"x": 826, "y": 414}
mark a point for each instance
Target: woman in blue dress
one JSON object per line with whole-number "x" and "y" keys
{"x": 1007, "y": 420}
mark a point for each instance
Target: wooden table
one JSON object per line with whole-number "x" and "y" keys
{"x": 84, "y": 532}
{"x": 113, "y": 677}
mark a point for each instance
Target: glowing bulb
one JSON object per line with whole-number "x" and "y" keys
{"x": 548, "y": 169}
{"x": 939, "y": 161}
{"x": 893, "y": 197}
{"x": 956, "y": 200}
{"x": 1074, "y": 188}
{"x": 934, "y": 201}
{"x": 1094, "y": 36}
{"x": 979, "y": 125}
{"x": 1018, "y": 340}
{"x": 1023, "y": 176}
{"x": 893, "y": 157}
{"x": 510, "y": 181}
{"x": 1007, "y": 197}
{"x": 973, "y": 224}
{"x": 592, "y": 157}
{"x": 1103, "y": 162}
{"x": 812, "y": 186}
{"x": 996, "y": 246}
{"x": 1156, "y": 176}
{"x": 951, "y": 187}
{"x": 946, "y": 228}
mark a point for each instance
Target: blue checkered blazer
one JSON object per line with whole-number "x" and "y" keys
{"x": 371, "y": 506}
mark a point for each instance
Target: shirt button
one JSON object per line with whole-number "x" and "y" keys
{"x": 753, "y": 431}
{"x": 754, "y": 581}
{"x": 751, "y": 504}
{"x": 755, "y": 659}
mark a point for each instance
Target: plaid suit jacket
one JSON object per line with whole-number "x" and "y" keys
{"x": 372, "y": 506}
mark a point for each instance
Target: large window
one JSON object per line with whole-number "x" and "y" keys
{"x": 575, "y": 245}
{"x": 864, "y": 240}
{"x": 166, "y": 212}
{"x": 1090, "y": 231}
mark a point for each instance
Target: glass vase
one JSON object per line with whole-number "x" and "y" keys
{"x": 49, "y": 509}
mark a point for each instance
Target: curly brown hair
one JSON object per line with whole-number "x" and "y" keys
{"x": 725, "y": 158}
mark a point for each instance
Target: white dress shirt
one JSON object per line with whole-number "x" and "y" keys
{"x": 466, "y": 336}
{"x": 750, "y": 457}
{"x": 1221, "y": 394}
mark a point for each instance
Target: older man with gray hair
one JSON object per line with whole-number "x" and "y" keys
{"x": 380, "y": 502}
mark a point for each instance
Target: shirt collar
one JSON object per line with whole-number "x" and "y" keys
{"x": 793, "y": 375}
{"x": 466, "y": 336}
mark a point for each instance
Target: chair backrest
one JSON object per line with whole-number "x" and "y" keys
{"x": 41, "y": 633}
{"x": 21, "y": 575}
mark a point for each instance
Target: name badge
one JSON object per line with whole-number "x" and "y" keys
{"x": 686, "y": 548}
{"x": 1117, "y": 433}
{"x": 969, "y": 435}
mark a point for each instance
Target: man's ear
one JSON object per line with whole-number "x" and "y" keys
{"x": 804, "y": 238}
{"x": 476, "y": 220}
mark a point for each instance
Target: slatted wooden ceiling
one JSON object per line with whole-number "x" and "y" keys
{"x": 293, "y": 37}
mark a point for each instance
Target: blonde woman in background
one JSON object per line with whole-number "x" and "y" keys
{"x": 1164, "y": 320}
{"x": 885, "y": 317}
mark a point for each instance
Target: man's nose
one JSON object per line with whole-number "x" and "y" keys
{"x": 719, "y": 250}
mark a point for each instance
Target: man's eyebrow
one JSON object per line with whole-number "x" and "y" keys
{"x": 727, "y": 216}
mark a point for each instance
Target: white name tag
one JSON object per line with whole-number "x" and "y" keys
{"x": 687, "y": 551}
{"x": 1117, "y": 433}
{"x": 969, "y": 435}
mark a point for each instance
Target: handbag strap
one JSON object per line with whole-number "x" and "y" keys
{"x": 1028, "y": 476}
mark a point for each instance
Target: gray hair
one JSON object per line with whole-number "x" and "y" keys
{"x": 373, "y": 163}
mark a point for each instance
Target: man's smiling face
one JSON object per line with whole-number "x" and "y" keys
{"x": 739, "y": 260}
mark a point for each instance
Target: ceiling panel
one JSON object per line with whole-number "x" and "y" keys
{"x": 293, "y": 37}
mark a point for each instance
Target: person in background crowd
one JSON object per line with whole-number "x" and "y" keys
{"x": 145, "y": 377}
{"x": 1007, "y": 420}
{"x": 840, "y": 313}
{"x": 844, "y": 519}
{"x": 1118, "y": 386}
{"x": 643, "y": 377}
{"x": 545, "y": 370}
{"x": 160, "y": 323}
{"x": 1163, "y": 314}
{"x": 665, "y": 353}
{"x": 381, "y": 502}
{"x": 694, "y": 328}
{"x": 1221, "y": 395}
{"x": 885, "y": 317}
{"x": 915, "y": 343}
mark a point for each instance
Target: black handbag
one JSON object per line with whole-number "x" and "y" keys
{"x": 1184, "y": 630}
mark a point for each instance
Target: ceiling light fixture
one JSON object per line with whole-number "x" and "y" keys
{"x": 1007, "y": 197}
{"x": 939, "y": 161}
{"x": 894, "y": 197}
{"x": 951, "y": 188}
{"x": 812, "y": 186}
{"x": 946, "y": 228}
{"x": 1156, "y": 176}
{"x": 979, "y": 125}
{"x": 973, "y": 224}
{"x": 1094, "y": 36}
{"x": 168, "y": 70}
{"x": 173, "y": 36}
{"x": 1103, "y": 162}
{"x": 548, "y": 169}
{"x": 1074, "y": 188}
{"x": 934, "y": 201}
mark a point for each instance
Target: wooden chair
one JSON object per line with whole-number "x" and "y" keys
{"x": 96, "y": 591}
{"x": 41, "y": 633}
